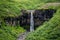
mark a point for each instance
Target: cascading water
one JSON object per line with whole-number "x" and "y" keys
{"x": 31, "y": 21}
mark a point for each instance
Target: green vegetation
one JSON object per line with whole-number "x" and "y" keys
{"x": 12, "y": 8}
{"x": 9, "y": 8}
{"x": 10, "y": 32}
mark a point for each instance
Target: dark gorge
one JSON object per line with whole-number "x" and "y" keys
{"x": 40, "y": 16}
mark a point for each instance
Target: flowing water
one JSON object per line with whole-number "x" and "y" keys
{"x": 31, "y": 21}
{"x": 23, "y": 35}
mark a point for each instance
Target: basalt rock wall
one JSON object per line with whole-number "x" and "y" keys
{"x": 40, "y": 16}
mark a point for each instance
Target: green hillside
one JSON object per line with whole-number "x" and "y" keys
{"x": 9, "y": 8}
{"x": 10, "y": 32}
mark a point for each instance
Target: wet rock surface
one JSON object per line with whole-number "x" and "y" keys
{"x": 22, "y": 36}
{"x": 40, "y": 16}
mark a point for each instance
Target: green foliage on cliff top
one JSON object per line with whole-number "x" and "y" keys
{"x": 13, "y": 7}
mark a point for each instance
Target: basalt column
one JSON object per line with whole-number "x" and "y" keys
{"x": 30, "y": 19}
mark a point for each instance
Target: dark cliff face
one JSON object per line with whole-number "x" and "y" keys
{"x": 40, "y": 16}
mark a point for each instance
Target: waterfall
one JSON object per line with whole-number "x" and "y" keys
{"x": 31, "y": 21}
